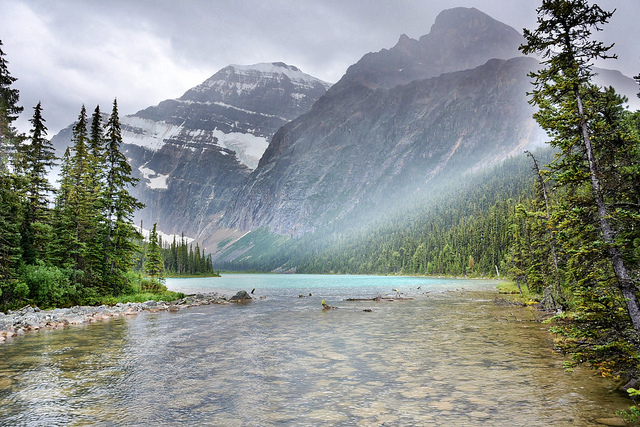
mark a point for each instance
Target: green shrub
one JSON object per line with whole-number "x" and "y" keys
{"x": 20, "y": 290}
{"x": 47, "y": 286}
{"x": 153, "y": 286}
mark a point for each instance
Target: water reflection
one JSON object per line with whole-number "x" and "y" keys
{"x": 444, "y": 358}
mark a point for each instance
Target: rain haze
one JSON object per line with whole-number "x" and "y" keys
{"x": 67, "y": 53}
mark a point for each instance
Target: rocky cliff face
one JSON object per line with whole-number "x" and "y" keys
{"x": 398, "y": 119}
{"x": 193, "y": 153}
{"x": 378, "y": 148}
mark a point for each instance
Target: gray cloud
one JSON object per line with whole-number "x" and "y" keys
{"x": 67, "y": 52}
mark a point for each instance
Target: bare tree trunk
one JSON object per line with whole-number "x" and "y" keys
{"x": 548, "y": 218}
{"x": 625, "y": 284}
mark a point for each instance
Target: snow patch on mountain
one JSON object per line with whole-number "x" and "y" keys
{"x": 157, "y": 181}
{"x": 249, "y": 148}
{"x": 153, "y": 135}
{"x": 147, "y": 133}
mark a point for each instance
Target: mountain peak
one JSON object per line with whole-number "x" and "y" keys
{"x": 460, "y": 39}
{"x": 406, "y": 44}
{"x": 461, "y": 26}
{"x": 271, "y": 70}
{"x": 272, "y": 89}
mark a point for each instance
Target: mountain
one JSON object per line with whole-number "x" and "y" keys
{"x": 399, "y": 119}
{"x": 399, "y": 122}
{"x": 193, "y": 153}
{"x": 459, "y": 39}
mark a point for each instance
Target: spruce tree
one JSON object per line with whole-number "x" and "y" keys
{"x": 96, "y": 145}
{"x": 77, "y": 219}
{"x": 10, "y": 248}
{"x": 154, "y": 265}
{"x": 570, "y": 109}
{"x": 9, "y": 112}
{"x": 35, "y": 160}
{"x": 119, "y": 207}
{"x": 11, "y": 207}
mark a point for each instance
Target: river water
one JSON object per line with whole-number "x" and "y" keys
{"x": 450, "y": 356}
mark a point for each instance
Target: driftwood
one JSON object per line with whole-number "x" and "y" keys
{"x": 380, "y": 298}
{"x": 326, "y": 306}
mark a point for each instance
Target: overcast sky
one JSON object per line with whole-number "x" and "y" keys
{"x": 69, "y": 52}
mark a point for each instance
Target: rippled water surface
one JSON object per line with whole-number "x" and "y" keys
{"x": 448, "y": 357}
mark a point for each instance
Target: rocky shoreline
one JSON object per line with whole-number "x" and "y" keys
{"x": 31, "y": 318}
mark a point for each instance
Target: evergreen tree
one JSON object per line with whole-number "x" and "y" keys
{"x": 34, "y": 162}
{"x": 96, "y": 145}
{"x": 154, "y": 265}
{"x": 10, "y": 248}
{"x": 570, "y": 109}
{"x": 63, "y": 222}
{"x": 9, "y": 111}
{"x": 119, "y": 207}
{"x": 77, "y": 218}
{"x": 11, "y": 208}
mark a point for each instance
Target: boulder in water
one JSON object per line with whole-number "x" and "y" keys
{"x": 241, "y": 296}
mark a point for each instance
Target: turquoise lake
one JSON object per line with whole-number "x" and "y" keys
{"x": 448, "y": 356}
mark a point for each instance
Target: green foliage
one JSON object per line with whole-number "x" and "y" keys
{"x": 10, "y": 249}
{"x": 631, "y": 415}
{"x": 181, "y": 259}
{"x": 119, "y": 205}
{"x": 48, "y": 286}
{"x": 34, "y": 160}
{"x": 154, "y": 265}
{"x": 594, "y": 211}
{"x": 140, "y": 290}
{"x": 80, "y": 251}
{"x": 9, "y": 111}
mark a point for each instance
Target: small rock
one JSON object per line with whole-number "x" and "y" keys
{"x": 612, "y": 422}
{"x": 633, "y": 383}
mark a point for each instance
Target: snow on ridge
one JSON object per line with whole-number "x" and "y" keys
{"x": 269, "y": 70}
{"x": 274, "y": 68}
{"x": 147, "y": 133}
{"x": 233, "y": 107}
{"x": 222, "y": 104}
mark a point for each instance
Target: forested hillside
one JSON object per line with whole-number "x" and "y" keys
{"x": 463, "y": 229}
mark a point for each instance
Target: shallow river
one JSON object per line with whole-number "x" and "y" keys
{"x": 448, "y": 357}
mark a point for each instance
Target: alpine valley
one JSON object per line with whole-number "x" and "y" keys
{"x": 268, "y": 149}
